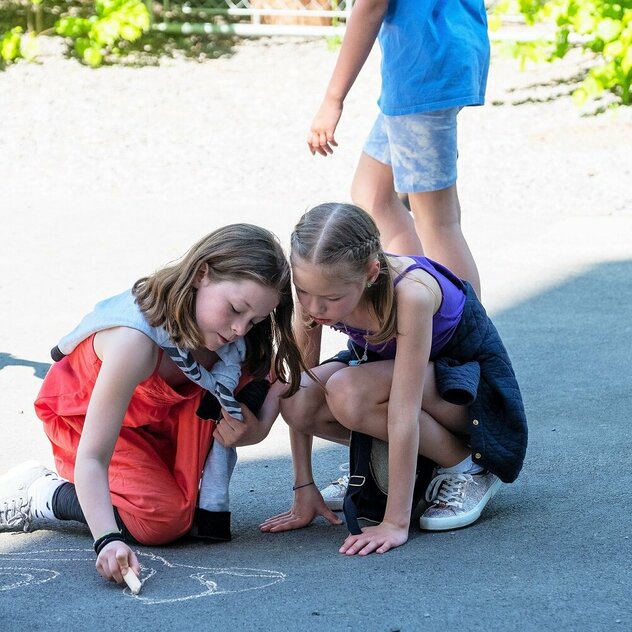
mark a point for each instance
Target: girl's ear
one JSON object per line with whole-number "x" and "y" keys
{"x": 373, "y": 271}
{"x": 200, "y": 275}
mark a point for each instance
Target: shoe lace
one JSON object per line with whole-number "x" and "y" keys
{"x": 341, "y": 482}
{"x": 16, "y": 514}
{"x": 448, "y": 489}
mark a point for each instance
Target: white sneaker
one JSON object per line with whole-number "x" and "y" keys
{"x": 457, "y": 500}
{"x": 334, "y": 493}
{"x": 21, "y": 501}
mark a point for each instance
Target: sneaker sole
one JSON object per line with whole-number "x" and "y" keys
{"x": 335, "y": 505}
{"x": 464, "y": 520}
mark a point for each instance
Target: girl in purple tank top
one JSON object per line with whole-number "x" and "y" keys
{"x": 402, "y": 315}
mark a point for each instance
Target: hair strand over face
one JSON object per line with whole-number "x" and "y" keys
{"x": 234, "y": 252}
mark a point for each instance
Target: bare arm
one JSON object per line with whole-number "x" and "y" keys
{"x": 309, "y": 341}
{"x": 128, "y": 357}
{"x": 362, "y": 29}
{"x": 415, "y": 305}
{"x": 252, "y": 429}
{"x": 308, "y": 502}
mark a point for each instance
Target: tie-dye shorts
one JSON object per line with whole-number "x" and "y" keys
{"x": 420, "y": 148}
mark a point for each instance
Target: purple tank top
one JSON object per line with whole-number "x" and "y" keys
{"x": 444, "y": 322}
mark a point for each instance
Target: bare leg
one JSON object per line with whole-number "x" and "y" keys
{"x": 307, "y": 411}
{"x": 373, "y": 190}
{"x": 438, "y": 222}
{"x": 359, "y": 398}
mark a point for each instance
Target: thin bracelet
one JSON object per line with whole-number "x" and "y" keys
{"x": 104, "y": 540}
{"x": 303, "y": 485}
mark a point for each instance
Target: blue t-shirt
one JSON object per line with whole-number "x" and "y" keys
{"x": 435, "y": 55}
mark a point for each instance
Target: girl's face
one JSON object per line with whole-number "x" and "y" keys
{"x": 326, "y": 299}
{"x": 226, "y": 310}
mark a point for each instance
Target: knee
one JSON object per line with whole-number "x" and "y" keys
{"x": 156, "y": 529}
{"x": 346, "y": 399}
{"x": 369, "y": 198}
{"x": 369, "y": 194}
{"x": 359, "y": 194}
{"x": 303, "y": 407}
{"x": 439, "y": 209}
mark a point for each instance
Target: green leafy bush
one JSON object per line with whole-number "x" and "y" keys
{"x": 96, "y": 36}
{"x": 14, "y": 45}
{"x": 602, "y": 28}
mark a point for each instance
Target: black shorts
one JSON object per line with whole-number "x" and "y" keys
{"x": 353, "y": 352}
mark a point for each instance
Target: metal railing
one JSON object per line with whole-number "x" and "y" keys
{"x": 252, "y": 17}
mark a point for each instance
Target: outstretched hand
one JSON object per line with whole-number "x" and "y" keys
{"x": 321, "y": 134}
{"x": 115, "y": 560}
{"x": 308, "y": 503}
{"x": 378, "y": 539}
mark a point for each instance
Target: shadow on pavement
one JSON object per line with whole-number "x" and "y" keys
{"x": 39, "y": 368}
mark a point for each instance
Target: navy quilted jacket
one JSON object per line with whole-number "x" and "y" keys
{"x": 474, "y": 369}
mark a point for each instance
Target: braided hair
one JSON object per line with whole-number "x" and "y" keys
{"x": 344, "y": 241}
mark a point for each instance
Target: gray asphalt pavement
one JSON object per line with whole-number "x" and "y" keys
{"x": 111, "y": 173}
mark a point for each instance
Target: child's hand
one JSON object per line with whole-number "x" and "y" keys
{"x": 232, "y": 433}
{"x": 308, "y": 503}
{"x": 114, "y": 561}
{"x": 378, "y": 539}
{"x": 321, "y": 134}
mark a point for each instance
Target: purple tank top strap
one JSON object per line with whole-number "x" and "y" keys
{"x": 430, "y": 266}
{"x": 444, "y": 321}
{"x": 400, "y": 275}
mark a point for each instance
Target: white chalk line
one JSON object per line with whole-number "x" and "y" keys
{"x": 207, "y": 578}
{"x": 27, "y": 574}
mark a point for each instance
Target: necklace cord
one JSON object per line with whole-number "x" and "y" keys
{"x": 359, "y": 360}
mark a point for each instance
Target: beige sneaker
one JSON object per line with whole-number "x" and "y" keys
{"x": 457, "y": 500}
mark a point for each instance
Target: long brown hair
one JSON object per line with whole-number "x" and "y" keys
{"x": 237, "y": 251}
{"x": 344, "y": 239}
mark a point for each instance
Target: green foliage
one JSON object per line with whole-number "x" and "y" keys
{"x": 99, "y": 35}
{"x": 334, "y": 42}
{"x": 602, "y": 28}
{"x": 104, "y": 32}
{"x": 15, "y": 45}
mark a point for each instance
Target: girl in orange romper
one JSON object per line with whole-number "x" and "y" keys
{"x": 123, "y": 416}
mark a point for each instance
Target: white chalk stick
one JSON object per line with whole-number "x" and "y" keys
{"x": 132, "y": 581}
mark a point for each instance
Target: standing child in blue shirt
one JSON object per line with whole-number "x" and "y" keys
{"x": 435, "y": 60}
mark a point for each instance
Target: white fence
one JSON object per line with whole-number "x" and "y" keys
{"x": 253, "y": 17}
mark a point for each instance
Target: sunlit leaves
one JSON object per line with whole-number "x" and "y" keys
{"x": 98, "y": 36}
{"x": 14, "y": 45}
{"x": 602, "y": 28}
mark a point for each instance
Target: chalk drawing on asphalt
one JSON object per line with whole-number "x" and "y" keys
{"x": 163, "y": 581}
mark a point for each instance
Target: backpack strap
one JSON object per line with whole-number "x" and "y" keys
{"x": 359, "y": 470}
{"x": 364, "y": 497}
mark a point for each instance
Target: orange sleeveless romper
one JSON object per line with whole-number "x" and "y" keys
{"x": 159, "y": 455}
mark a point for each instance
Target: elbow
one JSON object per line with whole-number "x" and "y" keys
{"x": 86, "y": 466}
